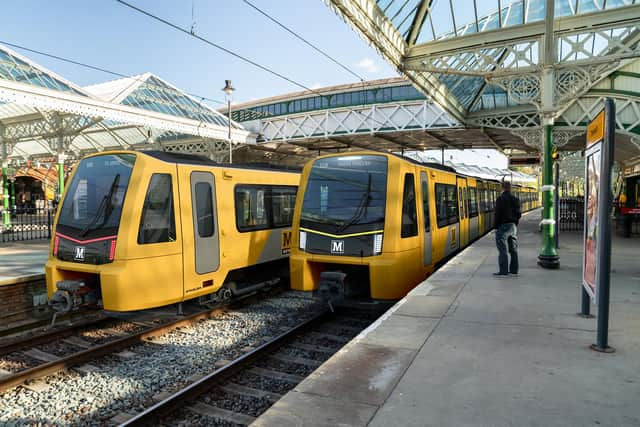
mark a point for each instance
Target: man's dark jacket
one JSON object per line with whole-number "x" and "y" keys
{"x": 507, "y": 209}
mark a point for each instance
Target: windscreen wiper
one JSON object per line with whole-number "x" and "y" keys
{"x": 105, "y": 205}
{"x": 361, "y": 211}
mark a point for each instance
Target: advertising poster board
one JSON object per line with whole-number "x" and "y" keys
{"x": 593, "y": 166}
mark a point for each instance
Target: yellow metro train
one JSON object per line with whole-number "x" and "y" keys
{"x": 370, "y": 226}
{"x": 138, "y": 230}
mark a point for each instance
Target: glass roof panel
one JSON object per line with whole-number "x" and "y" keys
{"x": 155, "y": 95}
{"x": 452, "y": 18}
{"x": 400, "y": 12}
{"x": 15, "y": 69}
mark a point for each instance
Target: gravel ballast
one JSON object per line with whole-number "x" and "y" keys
{"x": 127, "y": 383}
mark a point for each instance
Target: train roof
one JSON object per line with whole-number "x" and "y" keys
{"x": 194, "y": 159}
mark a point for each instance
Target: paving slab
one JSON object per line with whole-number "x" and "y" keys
{"x": 301, "y": 409}
{"x": 22, "y": 261}
{"x": 363, "y": 373}
{"x": 471, "y": 374}
{"x": 400, "y": 332}
{"x": 425, "y": 306}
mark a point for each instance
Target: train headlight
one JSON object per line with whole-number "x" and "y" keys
{"x": 377, "y": 244}
{"x": 303, "y": 240}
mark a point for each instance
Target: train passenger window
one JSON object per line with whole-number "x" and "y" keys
{"x": 465, "y": 204}
{"x": 441, "y": 205}
{"x": 473, "y": 202}
{"x": 283, "y": 200}
{"x": 204, "y": 209}
{"x": 157, "y": 223}
{"x": 452, "y": 196}
{"x": 250, "y": 208}
{"x": 425, "y": 202}
{"x": 446, "y": 204}
{"x": 409, "y": 217}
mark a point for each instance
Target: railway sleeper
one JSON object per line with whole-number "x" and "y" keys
{"x": 276, "y": 375}
{"x": 219, "y": 413}
{"x": 317, "y": 348}
{"x": 296, "y": 360}
{"x": 234, "y": 388}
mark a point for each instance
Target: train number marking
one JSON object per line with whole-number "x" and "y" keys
{"x": 286, "y": 242}
{"x": 337, "y": 246}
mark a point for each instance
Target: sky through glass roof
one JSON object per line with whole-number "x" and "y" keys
{"x": 14, "y": 67}
{"x": 451, "y": 18}
{"x": 446, "y": 19}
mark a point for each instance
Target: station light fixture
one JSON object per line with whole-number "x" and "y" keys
{"x": 228, "y": 91}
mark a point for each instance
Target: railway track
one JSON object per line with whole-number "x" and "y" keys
{"x": 41, "y": 355}
{"x": 97, "y": 384}
{"x": 240, "y": 390}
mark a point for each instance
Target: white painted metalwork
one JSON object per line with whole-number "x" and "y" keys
{"x": 375, "y": 28}
{"x": 377, "y": 118}
{"x": 50, "y": 100}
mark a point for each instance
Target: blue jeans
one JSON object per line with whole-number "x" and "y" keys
{"x": 507, "y": 237}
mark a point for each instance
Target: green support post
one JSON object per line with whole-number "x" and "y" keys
{"x": 12, "y": 192}
{"x": 60, "y": 180}
{"x": 548, "y": 257}
{"x": 6, "y": 215}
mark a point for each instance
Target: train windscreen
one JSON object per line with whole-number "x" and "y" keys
{"x": 346, "y": 195}
{"x": 93, "y": 203}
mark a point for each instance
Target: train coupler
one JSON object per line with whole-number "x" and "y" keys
{"x": 331, "y": 287}
{"x": 71, "y": 295}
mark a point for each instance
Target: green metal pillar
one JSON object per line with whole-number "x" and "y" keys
{"x": 548, "y": 257}
{"x": 12, "y": 192}
{"x": 6, "y": 215}
{"x": 60, "y": 179}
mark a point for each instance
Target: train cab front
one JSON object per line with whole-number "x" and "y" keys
{"x": 86, "y": 231}
{"x": 341, "y": 232}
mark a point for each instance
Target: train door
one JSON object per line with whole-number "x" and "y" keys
{"x": 205, "y": 230}
{"x": 427, "y": 247}
{"x": 474, "y": 221}
{"x": 464, "y": 212}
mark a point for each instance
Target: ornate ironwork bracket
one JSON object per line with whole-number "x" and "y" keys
{"x": 574, "y": 81}
{"x": 532, "y": 137}
{"x": 521, "y": 89}
{"x": 562, "y": 137}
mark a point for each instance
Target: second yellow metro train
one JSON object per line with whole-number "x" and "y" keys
{"x": 370, "y": 226}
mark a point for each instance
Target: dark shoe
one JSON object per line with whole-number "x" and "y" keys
{"x": 514, "y": 274}
{"x": 501, "y": 274}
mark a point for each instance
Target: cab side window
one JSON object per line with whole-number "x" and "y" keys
{"x": 157, "y": 223}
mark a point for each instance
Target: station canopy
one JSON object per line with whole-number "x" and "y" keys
{"x": 43, "y": 115}
{"x": 501, "y": 65}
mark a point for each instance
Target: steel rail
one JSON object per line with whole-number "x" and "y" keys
{"x": 101, "y": 350}
{"x": 38, "y": 339}
{"x": 34, "y": 325}
{"x": 195, "y": 389}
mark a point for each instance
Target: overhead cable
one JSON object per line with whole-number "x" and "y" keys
{"x": 299, "y": 37}
{"x": 96, "y": 68}
{"x": 230, "y": 52}
{"x": 217, "y": 46}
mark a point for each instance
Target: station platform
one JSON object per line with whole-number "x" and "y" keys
{"x": 465, "y": 348}
{"x": 23, "y": 292}
{"x": 22, "y": 261}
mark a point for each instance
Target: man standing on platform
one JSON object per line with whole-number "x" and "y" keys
{"x": 507, "y": 215}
